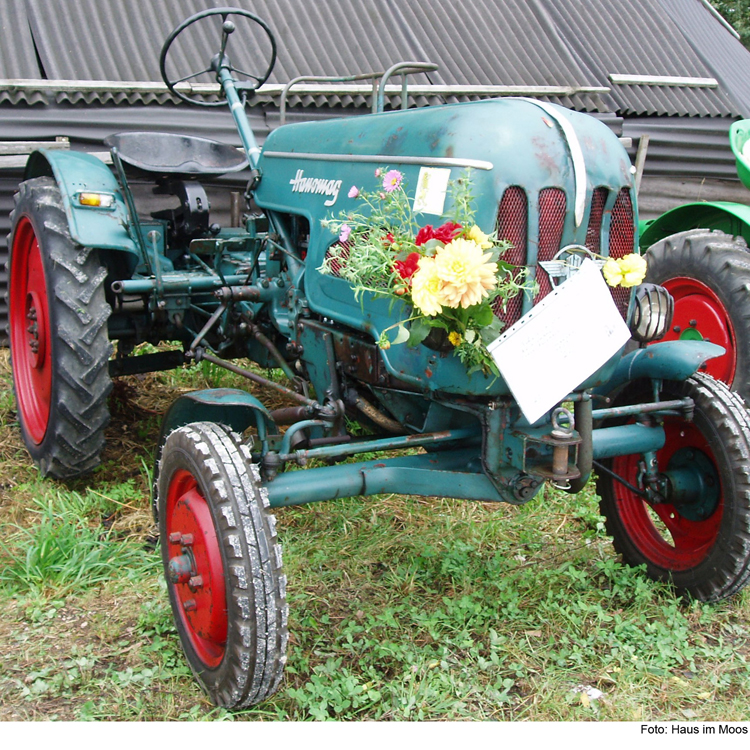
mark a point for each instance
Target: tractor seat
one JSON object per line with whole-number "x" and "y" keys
{"x": 172, "y": 153}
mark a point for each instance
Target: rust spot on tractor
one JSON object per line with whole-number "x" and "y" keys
{"x": 428, "y": 372}
{"x": 379, "y": 466}
{"x": 545, "y": 159}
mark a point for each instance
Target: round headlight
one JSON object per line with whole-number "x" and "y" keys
{"x": 652, "y": 316}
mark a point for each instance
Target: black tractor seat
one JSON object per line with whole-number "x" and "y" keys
{"x": 176, "y": 154}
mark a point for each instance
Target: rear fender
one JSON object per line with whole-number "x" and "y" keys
{"x": 75, "y": 173}
{"x": 732, "y": 218}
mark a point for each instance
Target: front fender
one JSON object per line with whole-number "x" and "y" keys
{"x": 732, "y": 218}
{"x": 76, "y": 172}
{"x": 666, "y": 360}
{"x": 228, "y": 406}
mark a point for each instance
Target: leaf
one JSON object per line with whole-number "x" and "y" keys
{"x": 402, "y": 335}
{"x": 420, "y": 328}
{"x": 482, "y": 315}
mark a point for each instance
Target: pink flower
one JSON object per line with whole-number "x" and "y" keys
{"x": 346, "y": 230}
{"x": 353, "y": 191}
{"x": 378, "y": 172}
{"x": 392, "y": 180}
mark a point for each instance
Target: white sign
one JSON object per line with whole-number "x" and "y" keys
{"x": 561, "y": 342}
{"x": 432, "y": 186}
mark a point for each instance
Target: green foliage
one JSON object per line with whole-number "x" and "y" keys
{"x": 737, "y": 12}
{"x": 68, "y": 548}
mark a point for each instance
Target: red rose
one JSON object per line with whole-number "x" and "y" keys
{"x": 406, "y": 268}
{"x": 444, "y": 233}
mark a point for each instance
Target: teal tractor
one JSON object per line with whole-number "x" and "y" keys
{"x": 699, "y": 252}
{"x": 88, "y": 266}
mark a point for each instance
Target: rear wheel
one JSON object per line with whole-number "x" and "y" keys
{"x": 699, "y": 538}
{"x": 708, "y": 274}
{"x": 58, "y": 335}
{"x": 223, "y": 564}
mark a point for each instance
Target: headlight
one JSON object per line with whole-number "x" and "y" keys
{"x": 654, "y": 308}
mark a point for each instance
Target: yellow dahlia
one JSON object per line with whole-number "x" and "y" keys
{"x": 455, "y": 338}
{"x": 476, "y": 234}
{"x": 612, "y": 272}
{"x": 426, "y": 288}
{"x": 633, "y": 268}
{"x": 466, "y": 272}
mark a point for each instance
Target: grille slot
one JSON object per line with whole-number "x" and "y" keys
{"x": 594, "y": 231}
{"x": 552, "y": 207}
{"x": 513, "y": 226}
{"x": 621, "y": 242}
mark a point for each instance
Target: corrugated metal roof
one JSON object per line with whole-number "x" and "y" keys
{"x": 533, "y": 42}
{"x": 724, "y": 54}
{"x": 640, "y": 37}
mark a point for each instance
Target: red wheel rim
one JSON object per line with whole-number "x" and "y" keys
{"x": 691, "y": 541}
{"x": 700, "y": 314}
{"x": 30, "y": 332}
{"x": 196, "y": 570}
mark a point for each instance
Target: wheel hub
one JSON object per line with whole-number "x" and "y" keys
{"x": 693, "y": 484}
{"x": 196, "y": 571}
{"x": 36, "y": 330}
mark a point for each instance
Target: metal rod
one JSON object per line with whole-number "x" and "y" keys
{"x": 625, "y": 411}
{"x": 209, "y": 325}
{"x": 176, "y": 282}
{"x": 602, "y": 469}
{"x": 384, "y": 444}
{"x": 259, "y": 379}
{"x": 264, "y": 341}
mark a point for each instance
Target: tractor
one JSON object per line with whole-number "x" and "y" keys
{"x": 572, "y": 396}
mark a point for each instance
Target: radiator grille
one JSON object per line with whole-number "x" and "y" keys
{"x": 335, "y": 259}
{"x": 621, "y": 241}
{"x": 552, "y": 206}
{"x": 513, "y": 226}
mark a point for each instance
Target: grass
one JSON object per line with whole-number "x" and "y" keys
{"x": 401, "y": 608}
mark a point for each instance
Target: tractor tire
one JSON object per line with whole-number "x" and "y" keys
{"x": 58, "y": 335}
{"x": 702, "y": 547}
{"x": 223, "y": 565}
{"x": 708, "y": 274}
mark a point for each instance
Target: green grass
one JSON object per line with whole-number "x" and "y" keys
{"x": 401, "y": 608}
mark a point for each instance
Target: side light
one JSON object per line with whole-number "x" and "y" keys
{"x": 652, "y": 316}
{"x": 96, "y": 200}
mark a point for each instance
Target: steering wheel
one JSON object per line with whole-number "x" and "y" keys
{"x": 228, "y": 26}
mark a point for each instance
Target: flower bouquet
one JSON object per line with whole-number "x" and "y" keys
{"x": 450, "y": 276}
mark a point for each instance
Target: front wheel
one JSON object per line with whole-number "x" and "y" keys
{"x": 223, "y": 564}
{"x": 699, "y": 538}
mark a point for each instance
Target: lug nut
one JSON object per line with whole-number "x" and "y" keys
{"x": 187, "y": 540}
{"x": 189, "y": 605}
{"x": 196, "y": 582}
{"x": 175, "y": 537}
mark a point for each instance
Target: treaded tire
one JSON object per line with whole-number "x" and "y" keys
{"x": 708, "y": 274}
{"x": 708, "y": 555}
{"x": 233, "y": 626}
{"x": 58, "y": 335}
